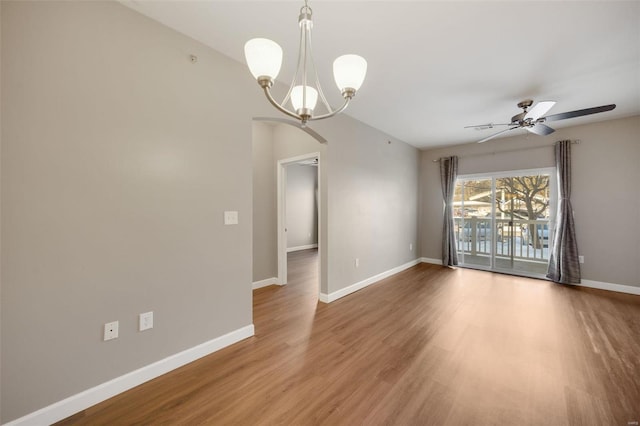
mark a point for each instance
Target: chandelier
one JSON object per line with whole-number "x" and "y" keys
{"x": 264, "y": 58}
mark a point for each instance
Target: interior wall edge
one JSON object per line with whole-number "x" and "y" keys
{"x": 331, "y": 297}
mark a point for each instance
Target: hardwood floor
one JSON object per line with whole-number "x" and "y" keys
{"x": 428, "y": 346}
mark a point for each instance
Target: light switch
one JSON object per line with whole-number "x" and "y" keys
{"x": 145, "y": 321}
{"x": 231, "y": 218}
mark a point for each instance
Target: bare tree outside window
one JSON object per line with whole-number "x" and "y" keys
{"x": 525, "y": 197}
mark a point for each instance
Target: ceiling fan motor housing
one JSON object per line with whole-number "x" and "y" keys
{"x": 516, "y": 119}
{"x": 519, "y": 118}
{"x": 525, "y": 104}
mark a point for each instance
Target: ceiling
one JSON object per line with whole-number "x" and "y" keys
{"x": 437, "y": 66}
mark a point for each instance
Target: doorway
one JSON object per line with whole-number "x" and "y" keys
{"x": 276, "y": 145}
{"x": 504, "y": 221}
{"x": 311, "y": 160}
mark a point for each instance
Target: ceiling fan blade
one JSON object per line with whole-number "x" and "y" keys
{"x": 540, "y": 129}
{"x": 539, "y": 109}
{"x": 496, "y": 134}
{"x": 579, "y": 113}
{"x": 486, "y": 126}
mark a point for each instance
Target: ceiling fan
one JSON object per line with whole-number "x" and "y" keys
{"x": 533, "y": 119}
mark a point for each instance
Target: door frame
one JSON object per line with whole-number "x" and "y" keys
{"x": 282, "y": 209}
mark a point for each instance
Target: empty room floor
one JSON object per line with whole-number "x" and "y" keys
{"x": 428, "y": 346}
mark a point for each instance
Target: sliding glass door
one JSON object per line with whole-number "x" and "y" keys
{"x": 503, "y": 220}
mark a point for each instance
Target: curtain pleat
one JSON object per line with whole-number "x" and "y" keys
{"x": 564, "y": 265}
{"x": 448, "y": 174}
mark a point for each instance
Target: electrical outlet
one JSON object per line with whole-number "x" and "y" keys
{"x": 110, "y": 330}
{"x": 357, "y": 262}
{"x": 145, "y": 321}
{"x": 581, "y": 259}
{"x": 410, "y": 246}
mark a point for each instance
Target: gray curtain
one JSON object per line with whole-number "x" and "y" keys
{"x": 564, "y": 265}
{"x": 448, "y": 174}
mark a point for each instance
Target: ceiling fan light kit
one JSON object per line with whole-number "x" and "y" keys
{"x": 532, "y": 119}
{"x": 264, "y": 59}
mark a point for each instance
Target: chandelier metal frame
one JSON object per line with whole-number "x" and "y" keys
{"x": 302, "y": 95}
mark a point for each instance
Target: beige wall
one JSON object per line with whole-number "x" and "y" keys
{"x": 119, "y": 157}
{"x": 605, "y": 180}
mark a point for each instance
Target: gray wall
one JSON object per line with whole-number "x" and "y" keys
{"x": 119, "y": 157}
{"x": 372, "y": 209}
{"x": 265, "y": 239}
{"x": 604, "y": 195}
{"x": 1, "y": 107}
{"x": 301, "y": 216}
{"x": 368, "y": 198}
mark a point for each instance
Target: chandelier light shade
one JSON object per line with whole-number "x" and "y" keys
{"x": 264, "y": 59}
{"x": 349, "y": 72}
{"x": 304, "y": 99}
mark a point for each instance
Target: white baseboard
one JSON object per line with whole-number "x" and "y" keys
{"x": 264, "y": 283}
{"x": 328, "y": 298}
{"x": 308, "y": 246}
{"x": 83, "y": 400}
{"x": 431, "y": 260}
{"x": 620, "y": 288}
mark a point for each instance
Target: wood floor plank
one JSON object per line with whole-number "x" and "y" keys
{"x": 428, "y": 346}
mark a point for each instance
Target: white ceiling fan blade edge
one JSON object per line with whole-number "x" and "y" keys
{"x": 496, "y": 134}
{"x": 539, "y": 109}
{"x": 540, "y": 129}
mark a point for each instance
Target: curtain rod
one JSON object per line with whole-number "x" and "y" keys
{"x": 576, "y": 142}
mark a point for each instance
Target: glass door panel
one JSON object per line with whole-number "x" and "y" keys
{"x": 473, "y": 220}
{"x": 503, "y": 221}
